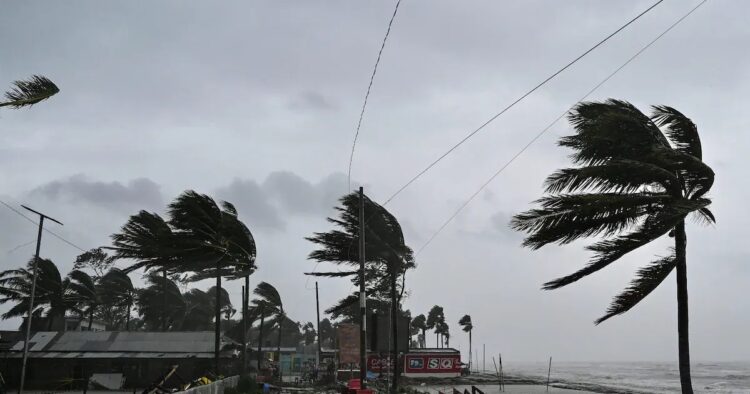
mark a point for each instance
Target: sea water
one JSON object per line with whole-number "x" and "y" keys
{"x": 639, "y": 377}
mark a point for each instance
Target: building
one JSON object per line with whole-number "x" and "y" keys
{"x": 65, "y": 359}
{"x": 74, "y": 323}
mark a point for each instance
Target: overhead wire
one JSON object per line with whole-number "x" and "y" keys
{"x": 43, "y": 228}
{"x": 519, "y": 99}
{"x": 539, "y": 135}
{"x": 367, "y": 94}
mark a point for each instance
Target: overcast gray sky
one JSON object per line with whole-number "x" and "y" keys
{"x": 256, "y": 103}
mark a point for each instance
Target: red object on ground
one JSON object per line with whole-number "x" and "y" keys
{"x": 364, "y": 391}
{"x": 354, "y": 384}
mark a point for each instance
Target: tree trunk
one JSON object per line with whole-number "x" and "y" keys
{"x": 423, "y": 342}
{"x": 469, "y": 350}
{"x": 683, "y": 342}
{"x": 217, "y": 329}
{"x": 91, "y": 317}
{"x": 164, "y": 301}
{"x": 127, "y": 320}
{"x": 394, "y": 323}
{"x": 260, "y": 337}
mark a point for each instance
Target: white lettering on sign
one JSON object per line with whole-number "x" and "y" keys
{"x": 433, "y": 363}
{"x": 446, "y": 363}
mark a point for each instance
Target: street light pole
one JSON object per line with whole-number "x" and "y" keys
{"x": 33, "y": 291}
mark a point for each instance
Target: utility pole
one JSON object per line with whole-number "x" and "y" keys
{"x": 33, "y": 291}
{"x": 483, "y": 354}
{"x": 244, "y": 331}
{"x": 317, "y": 312}
{"x": 362, "y": 296}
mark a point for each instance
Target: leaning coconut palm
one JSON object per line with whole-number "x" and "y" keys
{"x": 51, "y": 299}
{"x": 435, "y": 319}
{"x": 269, "y": 303}
{"x": 117, "y": 294}
{"x": 29, "y": 92}
{"x": 147, "y": 240}
{"x": 83, "y": 291}
{"x": 637, "y": 180}
{"x": 214, "y": 244}
{"x": 387, "y": 257}
{"x": 466, "y": 324}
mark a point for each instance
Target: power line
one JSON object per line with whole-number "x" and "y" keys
{"x": 536, "y": 137}
{"x": 20, "y": 246}
{"x": 367, "y": 95}
{"x": 511, "y": 105}
{"x": 45, "y": 229}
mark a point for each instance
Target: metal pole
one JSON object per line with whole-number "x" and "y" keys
{"x": 362, "y": 296}
{"x": 548, "y": 372}
{"x": 483, "y": 358}
{"x": 317, "y": 311}
{"x": 33, "y": 293}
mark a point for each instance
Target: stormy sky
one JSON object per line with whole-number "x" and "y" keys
{"x": 256, "y": 103}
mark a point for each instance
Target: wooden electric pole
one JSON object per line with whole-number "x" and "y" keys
{"x": 317, "y": 312}
{"x": 33, "y": 291}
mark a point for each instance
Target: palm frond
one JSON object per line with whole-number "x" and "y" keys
{"x": 647, "y": 279}
{"x": 29, "y": 92}
{"x": 680, "y": 130}
{"x": 337, "y": 274}
{"x": 567, "y": 217}
{"x": 620, "y": 176}
{"x": 610, "y": 250}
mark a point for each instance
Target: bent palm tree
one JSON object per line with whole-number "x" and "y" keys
{"x": 419, "y": 324}
{"x": 435, "y": 318}
{"x": 29, "y": 92}
{"x": 51, "y": 298}
{"x": 83, "y": 291}
{"x": 117, "y": 292}
{"x": 161, "y": 304}
{"x": 214, "y": 244}
{"x": 638, "y": 179}
{"x": 467, "y": 325}
{"x": 269, "y": 303}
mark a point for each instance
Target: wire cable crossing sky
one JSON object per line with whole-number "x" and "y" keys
{"x": 511, "y": 105}
{"x": 549, "y": 126}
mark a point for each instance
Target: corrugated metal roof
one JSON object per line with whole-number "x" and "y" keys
{"x": 122, "y": 341}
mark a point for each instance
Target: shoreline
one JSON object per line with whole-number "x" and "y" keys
{"x": 487, "y": 379}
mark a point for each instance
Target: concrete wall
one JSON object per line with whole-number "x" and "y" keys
{"x": 216, "y": 387}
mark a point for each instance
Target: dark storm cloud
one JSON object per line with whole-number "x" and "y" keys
{"x": 141, "y": 193}
{"x": 221, "y": 98}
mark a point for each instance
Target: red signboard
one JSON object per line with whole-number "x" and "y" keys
{"x": 378, "y": 363}
{"x": 433, "y": 364}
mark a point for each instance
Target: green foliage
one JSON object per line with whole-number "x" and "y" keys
{"x": 637, "y": 179}
{"x": 29, "y": 92}
{"x": 385, "y": 250}
{"x": 466, "y": 323}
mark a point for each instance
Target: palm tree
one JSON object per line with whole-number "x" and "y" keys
{"x": 161, "y": 304}
{"x": 116, "y": 292}
{"x": 466, "y": 324}
{"x": 269, "y": 303}
{"x": 214, "y": 243}
{"x": 435, "y": 318}
{"x": 29, "y": 92}
{"x": 51, "y": 299}
{"x": 637, "y": 179}
{"x": 83, "y": 291}
{"x": 387, "y": 257}
{"x": 148, "y": 240}
{"x": 419, "y": 323}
